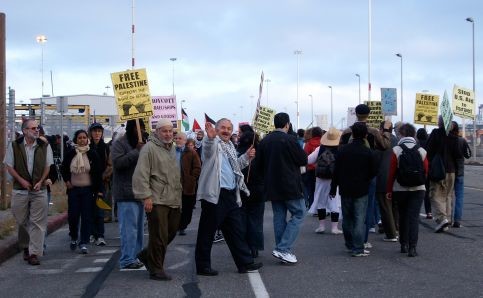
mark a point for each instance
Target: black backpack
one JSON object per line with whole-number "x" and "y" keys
{"x": 324, "y": 167}
{"x": 410, "y": 170}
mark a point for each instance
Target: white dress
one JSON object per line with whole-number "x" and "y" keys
{"x": 322, "y": 189}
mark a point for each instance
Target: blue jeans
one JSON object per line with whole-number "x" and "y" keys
{"x": 459, "y": 196}
{"x": 354, "y": 213}
{"x": 131, "y": 230}
{"x": 371, "y": 208}
{"x": 286, "y": 232}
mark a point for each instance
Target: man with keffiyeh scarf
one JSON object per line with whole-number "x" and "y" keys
{"x": 220, "y": 183}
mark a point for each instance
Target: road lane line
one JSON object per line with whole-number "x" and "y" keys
{"x": 101, "y": 260}
{"x": 89, "y": 269}
{"x": 474, "y": 188}
{"x": 257, "y": 285}
{"x": 106, "y": 251}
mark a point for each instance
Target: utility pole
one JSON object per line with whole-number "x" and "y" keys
{"x": 3, "y": 92}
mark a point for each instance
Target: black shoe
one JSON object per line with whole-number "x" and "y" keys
{"x": 207, "y": 272}
{"x": 412, "y": 252}
{"x": 456, "y": 224}
{"x": 181, "y": 233}
{"x": 254, "y": 253}
{"x": 33, "y": 260}
{"x": 73, "y": 244}
{"x": 142, "y": 257}
{"x": 250, "y": 267}
{"x": 404, "y": 249}
{"x": 160, "y": 276}
{"x": 26, "y": 254}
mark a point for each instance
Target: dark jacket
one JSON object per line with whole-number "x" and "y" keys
{"x": 460, "y": 162}
{"x": 253, "y": 178}
{"x": 446, "y": 145}
{"x": 95, "y": 171}
{"x": 355, "y": 166}
{"x": 279, "y": 158}
{"x": 190, "y": 171}
{"x": 124, "y": 160}
{"x": 385, "y": 162}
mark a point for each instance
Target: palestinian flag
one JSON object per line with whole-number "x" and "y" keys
{"x": 208, "y": 119}
{"x": 184, "y": 120}
{"x": 196, "y": 126}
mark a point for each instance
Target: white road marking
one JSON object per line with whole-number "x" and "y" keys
{"x": 46, "y": 271}
{"x": 101, "y": 260}
{"x": 107, "y": 251}
{"x": 178, "y": 265}
{"x": 89, "y": 269}
{"x": 257, "y": 285}
{"x": 473, "y": 188}
{"x": 142, "y": 268}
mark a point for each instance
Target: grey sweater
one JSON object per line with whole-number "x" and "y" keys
{"x": 124, "y": 160}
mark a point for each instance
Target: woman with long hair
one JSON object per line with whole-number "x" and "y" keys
{"x": 82, "y": 176}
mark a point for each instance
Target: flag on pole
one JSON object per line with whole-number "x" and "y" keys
{"x": 196, "y": 126}
{"x": 208, "y": 119}
{"x": 260, "y": 90}
{"x": 184, "y": 120}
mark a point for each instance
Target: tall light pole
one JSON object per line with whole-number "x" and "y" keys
{"x": 474, "y": 91}
{"x": 298, "y": 53}
{"x": 331, "y": 109}
{"x": 402, "y": 104}
{"x": 172, "y": 60}
{"x": 267, "y": 81}
{"x": 41, "y": 39}
{"x": 312, "y": 105}
{"x": 358, "y": 76}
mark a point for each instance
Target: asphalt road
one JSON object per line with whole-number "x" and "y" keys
{"x": 449, "y": 264}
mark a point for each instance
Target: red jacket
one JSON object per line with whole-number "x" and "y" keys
{"x": 310, "y": 147}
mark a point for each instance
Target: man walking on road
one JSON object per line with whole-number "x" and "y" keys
{"x": 28, "y": 161}
{"x": 157, "y": 182}
{"x": 279, "y": 158}
{"x": 220, "y": 183}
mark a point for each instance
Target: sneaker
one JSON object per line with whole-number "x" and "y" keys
{"x": 218, "y": 237}
{"x": 320, "y": 230}
{"x": 360, "y": 254}
{"x": 367, "y": 245}
{"x": 92, "y": 239}
{"x": 440, "y": 227}
{"x": 385, "y": 239}
{"x": 73, "y": 244}
{"x": 285, "y": 257}
{"x": 100, "y": 241}
{"x": 134, "y": 266}
{"x": 336, "y": 231}
{"x": 457, "y": 224}
{"x": 372, "y": 230}
{"x": 83, "y": 249}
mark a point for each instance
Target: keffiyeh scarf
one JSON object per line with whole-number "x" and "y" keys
{"x": 230, "y": 152}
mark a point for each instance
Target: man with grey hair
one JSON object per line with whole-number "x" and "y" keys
{"x": 28, "y": 161}
{"x": 220, "y": 183}
{"x": 157, "y": 182}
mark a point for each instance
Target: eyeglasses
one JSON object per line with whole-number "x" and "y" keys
{"x": 32, "y": 128}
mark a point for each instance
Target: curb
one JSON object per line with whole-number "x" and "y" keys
{"x": 10, "y": 246}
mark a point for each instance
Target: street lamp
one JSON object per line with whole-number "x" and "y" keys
{"x": 41, "y": 39}
{"x": 172, "y": 60}
{"x": 312, "y": 104}
{"x": 298, "y": 53}
{"x": 107, "y": 89}
{"x": 402, "y": 105}
{"x": 267, "y": 81}
{"x": 331, "y": 109}
{"x": 357, "y": 75}
{"x": 474, "y": 94}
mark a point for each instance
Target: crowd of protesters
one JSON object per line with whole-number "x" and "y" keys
{"x": 353, "y": 181}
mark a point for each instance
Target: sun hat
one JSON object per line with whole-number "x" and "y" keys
{"x": 331, "y": 137}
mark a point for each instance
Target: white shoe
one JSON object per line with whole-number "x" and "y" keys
{"x": 101, "y": 242}
{"x": 372, "y": 230}
{"x": 385, "y": 239}
{"x": 335, "y": 229}
{"x": 367, "y": 245}
{"x": 285, "y": 257}
{"x": 320, "y": 230}
{"x": 83, "y": 249}
{"x": 443, "y": 224}
{"x": 92, "y": 239}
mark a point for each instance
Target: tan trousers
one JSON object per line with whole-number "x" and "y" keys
{"x": 441, "y": 194}
{"x": 30, "y": 211}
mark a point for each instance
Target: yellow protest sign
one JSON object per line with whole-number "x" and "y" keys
{"x": 263, "y": 121}
{"x": 131, "y": 90}
{"x": 375, "y": 116}
{"x": 464, "y": 102}
{"x": 426, "y": 109}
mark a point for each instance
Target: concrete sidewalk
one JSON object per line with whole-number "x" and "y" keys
{"x": 9, "y": 245}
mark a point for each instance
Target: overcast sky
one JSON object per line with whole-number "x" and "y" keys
{"x": 222, "y": 46}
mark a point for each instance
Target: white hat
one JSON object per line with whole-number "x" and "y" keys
{"x": 163, "y": 122}
{"x": 331, "y": 138}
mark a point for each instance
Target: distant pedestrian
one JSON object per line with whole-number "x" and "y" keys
{"x": 355, "y": 168}
{"x": 422, "y": 138}
{"x": 406, "y": 186}
{"x": 309, "y": 177}
{"x": 279, "y": 159}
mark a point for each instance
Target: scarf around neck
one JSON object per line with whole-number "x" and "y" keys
{"x": 77, "y": 165}
{"x": 230, "y": 152}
